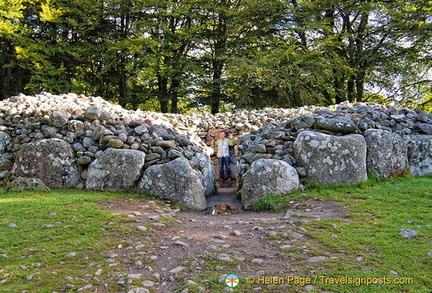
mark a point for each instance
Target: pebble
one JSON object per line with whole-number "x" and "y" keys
{"x": 236, "y": 233}
{"x": 181, "y": 243}
{"x": 134, "y": 276}
{"x": 190, "y": 283}
{"x": 407, "y": 233}
{"x": 296, "y": 235}
{"x": 12, "y": 225}
{"x": 148, "y": 284}
{"x": 239, "y": 258}
{"x": 29, "y": 277}
{"x": 177, "y": 269}
{"x": 70, "y": 255}
{"x": 224, "y": 257}
{"x": 138, "y": 290}
{"x": 285, "y": 247}
{"x": 318, "y": 259}
{"x": 86, "y": 287}
{"x": 142, "y": 228}
{"x": 257, "y": 261}
{"x": 213, "y": 247}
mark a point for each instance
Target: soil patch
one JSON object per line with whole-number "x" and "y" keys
{"x": 178, "y": 246}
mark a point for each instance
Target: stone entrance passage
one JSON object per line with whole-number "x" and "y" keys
{"x": 226, "y": 195}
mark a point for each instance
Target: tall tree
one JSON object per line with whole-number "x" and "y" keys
{"x": 11, "y": 27}
{"x": 167, "y": 32}
{"x": 234, "y": 29}
{"x": 366, "y": 37}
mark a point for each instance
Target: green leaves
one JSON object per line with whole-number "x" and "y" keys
{"x": 245, "y": 53}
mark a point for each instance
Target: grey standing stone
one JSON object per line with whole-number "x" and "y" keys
{"x": 51, "y": 160}
{"x": 266, "y": 177}
{"x": 420, "y": 155}
{"x": 387, "y": 153}
{"x": 115, "y": 169}
{"x": 332, "y": 159}
{"x": 176, "y": 181}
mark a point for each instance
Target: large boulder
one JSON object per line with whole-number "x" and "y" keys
{"x": 176, "y": 181}
{"x": 420, "y": 155}
{"x": 50, "y": 160}
{"x": 204, "y": 165}
{"x": 387, "y": 153}
{"x": 115, "y": 169}
{"x": 266, "y": 177}
{"x": 332, "y": 159}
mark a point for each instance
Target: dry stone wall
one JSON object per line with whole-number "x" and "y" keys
{"x": 76, "y": 141}
{"x": 343, "y": 143}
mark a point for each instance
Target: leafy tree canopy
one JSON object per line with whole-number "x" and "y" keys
{"x": 174, "y": 55}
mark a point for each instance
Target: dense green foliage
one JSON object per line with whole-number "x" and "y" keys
{"x": 188, "y": 53}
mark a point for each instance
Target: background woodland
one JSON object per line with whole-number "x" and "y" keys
{"x": 187, "y": 55}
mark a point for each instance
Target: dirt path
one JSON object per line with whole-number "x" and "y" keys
{"x": 187, "y": 248}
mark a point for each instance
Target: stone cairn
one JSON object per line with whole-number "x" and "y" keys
{"x": 76, "y": 141}
{"x": 340, "y": 145}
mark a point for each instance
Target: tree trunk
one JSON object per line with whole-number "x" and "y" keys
{"x": 216, "y": 95}
{"x": 163, "y": 93}
{"x": 175, "y": 86}
{"x": 360, "y": 86}
{"x": 339, "y": 89}
{"x": 351, "y": 88}
{"x": 122, "y": 82}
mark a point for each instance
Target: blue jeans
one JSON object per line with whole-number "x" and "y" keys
{"x": 224, "y": 161}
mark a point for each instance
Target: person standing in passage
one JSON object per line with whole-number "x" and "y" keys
{"x": 223, "y": 154}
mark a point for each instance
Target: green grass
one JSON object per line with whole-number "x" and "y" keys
{"x": 378, "y": 210}
{"x": 51, "y": 225}
{"x": 48, "y": 227}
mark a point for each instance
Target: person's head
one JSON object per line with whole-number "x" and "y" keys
{"x": 222, "y": 135}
